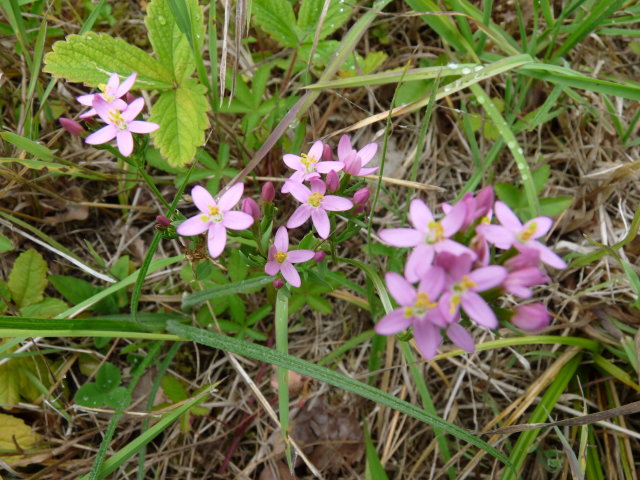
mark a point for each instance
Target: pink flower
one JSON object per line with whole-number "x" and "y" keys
{"x": 418, "y": 308}
{"x": 215, "y": 217}
{"x": 355, "y": 161}
{"x": 281, "y": 259}
{"x": 308, "y": 165}
{"x": 120, "y": 125}
{"x": 332, "y": 181}
{"x": 250, "y": 207}
{"x": 111, "y": 93}
{"x": 524, "y": 273}
{"x": 428, "y": 237}
{"x": 511, "y": 232}
{"x": 531, "y": 317}
{"x": 315, "y": 204}
{"x": 463, "y": 285}
{"x": 71, "y": 126}
{"x": 477, "y": 207}
{"x": 268, "y": 192}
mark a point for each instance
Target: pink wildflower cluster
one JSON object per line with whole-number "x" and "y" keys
{"x": 449, "y": 267}
{"x": 118, "y": 114}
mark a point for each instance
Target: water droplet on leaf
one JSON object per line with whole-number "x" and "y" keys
{"x": 466, "y": 71}
{"x": 162, "y": 20}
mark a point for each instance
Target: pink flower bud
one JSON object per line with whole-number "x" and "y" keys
{"x": 333, "y": 182}
{"x": 531, "y": 317}
{"x": 71, "y": 126}
{"x": 327, "y": 153}
{"x": 250, "y": 207}
{"x": 278, "y": 283}
{"x": 319, "y": 256}
{"x": 162, "y": 220}
{"x": 129, "y": 97}
{"x": 268, "y": 192}
{"x": 361, "y": 197}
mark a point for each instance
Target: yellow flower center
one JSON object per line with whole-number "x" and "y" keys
{"x": 422, "y": 301}
{"x": 115, "y": 117}
{"x": 436, "y": 232}
{"x": 107, "y": 94}
{"x": 408, "y": 312}
{"x": 315, "y": 199}
{"x": 215, "y": 215}
{"x": 309, "y": 162}
{"x": 463, "y": 285}
{"x": 526, "y": 234}
{"x": 455, "y": 301}
{"x": 281, "y": 257}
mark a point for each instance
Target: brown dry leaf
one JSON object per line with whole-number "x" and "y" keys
{"x": 277, "y": 470}
{"x": 15, "y": 433}
{"x": 73, "y": 211}
{"x": 296, "y": 382}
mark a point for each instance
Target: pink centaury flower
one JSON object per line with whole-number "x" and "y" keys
{"x": 111, "y": 93}
{"x": 512, "y": 232}
{"x": 531, "y": 317}
{"x": 120, "y": 125}
{"x": 353, "y": 160}
{"x": 308, "y": 165}
{"x": 215, "y": 217}
{"x": 428, "y": 237}
{"x": 281, "y": 259}
{"x": 315, "y": 204}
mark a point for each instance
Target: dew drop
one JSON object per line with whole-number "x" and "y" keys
{"x": 341, "y": 9}
{"x": 162, "y": 20}
{"x": 480, "y": 100}
{"x": 332, "y": 25}
{"x": 466, "y": 71}
{"x": 520, "y": 151}
{"x": 85, "y": 399}
{"x": 447, "y": 88}
{"x": 453, "y": 65}
{"x": 511, "y": 145}
{"x": 477, "y": 68}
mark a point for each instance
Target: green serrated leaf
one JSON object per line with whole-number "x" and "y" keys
{"x": 5, "y": 244}
{"x": 92, "y": 57}
{"x": 238, "y": 268}
{"x": 45, "y": 308}
{"x": 310, "y": 10}
{"x": 173, "y": 388}
{"x": 182, "y": 116}
{"x": 28, "y": 278}
{"x": 277, "y": 19}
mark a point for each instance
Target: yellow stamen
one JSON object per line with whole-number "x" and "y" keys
{"x": 422, "y": 301}
{"x": 204, "y": 218}
{"x": 408, "y": 312}
{"x": 526, "y": 234}
{"x": 115, "y": 117}
{"x": 281, "y": 257}
{"x": 437, "y": 230}
{"x": 455, "y": 301}
{"x": 315, "y": 199}
{"x": 467, "y": 283}
{"x": 309, "y": 162}
{"x": 213, "y": 210}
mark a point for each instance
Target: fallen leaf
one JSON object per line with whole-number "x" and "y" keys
{"x": 14, "y": 431}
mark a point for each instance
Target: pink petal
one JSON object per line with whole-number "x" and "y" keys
{"x": 271, "y": 254}
{"x": 124, "y": 139}
{"x": 326, "y": 167}
{"x": 420, "y": 215}
{"x": 432, "y": 282}
{"x": 316, "y": 150}
{"x": 290, "y": 274}
{"x": 298, "y": 256}
{"x": 506, "y": 217}
{"x": 86, "y": 100}
{"x": 138, "y": 126}
{"x": 401, "y": 237}
{"x": 546, "y": 254}
{"x": 126, "y": 85}
{"x": 333, "y": 203}
{"x": 88, "y": 114}
{"x": 498, "y": 235}
{"x": 202, "y": 199}
{"x": 281, "y": 240}
{"x": 301, "y": 215}
{"x": 401, "y": 290}
{"x": 232, "y": 196}
{"x": 133, "y": 110}
{"x": 531, "y": 317}
{"x": 217, "y": 239}
{"x": 193, "y": 226}
{"x": 452, "y": 221}
{"x": 317, "y": 185}
{"x": 393, "y": 322}
{"x": 367, "y": 152}
{"x": 352, "y": 163}
{"x": 447, "y": 307}
{"x": 428, "y": 338}
{"x": 418, "y": 262}
{"x": 458, "y": 335}
{"x": 293, "y": 161}
{"x": 367, "y": 171}
{"x": 488, "y": 277}
{"x": 104, "y": 135}
{"x": 541, "y": 226}
{"x": 344, "y": 147}
{"x": 237, "y": 220}
{"x": 478, "y": 310}
{"x": 272, "y": 267}
{"x": 454, "y": 248}
{"x": 299, "y": 191}
{"x": 114, "y": 81}
{"x": 320, "y": 220}
{"x": 102, "y": 108}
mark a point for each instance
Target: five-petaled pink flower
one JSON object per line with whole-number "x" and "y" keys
{"x": 281, "y": 259}
{"x": 120, "y": 124}
{"x": 512, "y": 232}
{"x": 111, "y": 93}
{"x": 353, "y": 160}
{"x": 215, "y": 217}
{"x": 428, "y": 237}
{"x": 315, "y": 205}
{"x": 308, "y": 165}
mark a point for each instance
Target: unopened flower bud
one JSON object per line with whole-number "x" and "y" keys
{"x": 319, "y": 256}
{"x": 531, "y": 317}
{"x": 268, "y": 192}
{"x": 162, "y": 220}
{"x": 128, "y": 97}
{"x": 278, "y": 283}
{"x": 361, "y": 197}
{"x": 327, "y": 153}
{"x": 71, "y": 126}
{"x": 250, "y": 207}
{"x": 332, "y": 181}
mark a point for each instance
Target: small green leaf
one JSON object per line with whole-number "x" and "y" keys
{"x": 28, "y": 278}
{"x": 92, "y": 57}
{"x": 540, "y": 177}
{"x": 182, "y": 116}
{"x": 277, "y": 19}
{"x": 310, "y": 10}
{"x": 117, "y": 398}
{"x": 173, "y": 388}
{"x": 5, "y": 297}
{"x": 237, "y": 266}
{"x": 89, "y": 395}
{"x": 5, "y": 244}
{"x": 554, "y": 206}
{"x": 319, "y": 304}
{"x": 77, "y": 290}
{"x": 108, "y": 377}
{"x": 45, "y": 308}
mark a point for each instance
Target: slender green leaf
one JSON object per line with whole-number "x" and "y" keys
{"x": 224, "y": 290}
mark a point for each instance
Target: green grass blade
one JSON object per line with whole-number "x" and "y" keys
{"x": 282, "y": 345}
{"x": 224, "y": 290}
